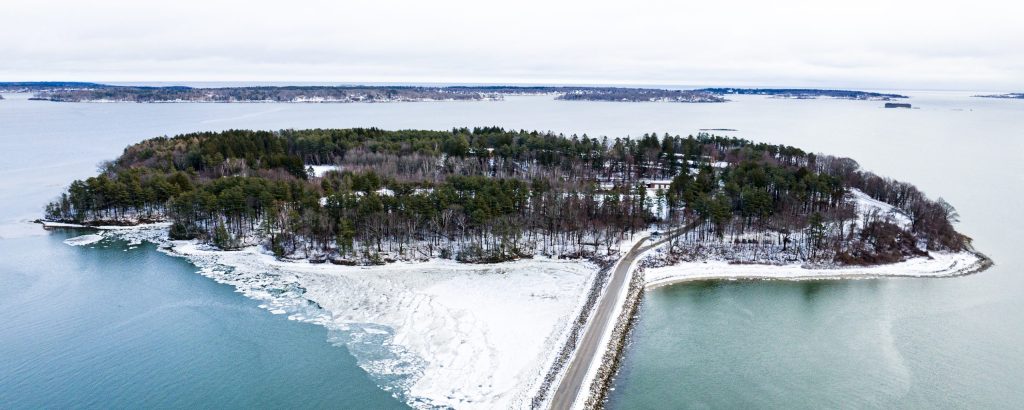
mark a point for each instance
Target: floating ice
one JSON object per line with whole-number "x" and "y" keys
{"x": 84, "y": 240}
{"x": 434, "y": 334}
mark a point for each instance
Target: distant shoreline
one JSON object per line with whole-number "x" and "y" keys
{"x": 102, "y": 93}
{"x": 1009, "y": 96}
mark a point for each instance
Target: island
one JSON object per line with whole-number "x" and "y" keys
{"x": 322, "y": 94}
{"x": 639, "y": 95}
{"x": 1007, "y": 95}
{"x": 35, "y": 86}
{"x": 503, "y": 267}
{"x": 806, "y": 93}
{"x": 897, "y": 105}
{"x": 91, "y": 92}
{"x": 94, "y": 92}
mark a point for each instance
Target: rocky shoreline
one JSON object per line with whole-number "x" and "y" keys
{"x": 578, "y": 326}
{"x": 612, "y": 358}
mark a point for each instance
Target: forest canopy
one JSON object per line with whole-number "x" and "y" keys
{"x": 490, "y": 194}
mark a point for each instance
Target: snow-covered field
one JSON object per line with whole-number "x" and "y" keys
{"x": 939, "y": 265}
{"x": 435, "y": 333}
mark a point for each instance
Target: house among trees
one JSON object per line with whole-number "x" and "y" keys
{"x": 656, "y": 184}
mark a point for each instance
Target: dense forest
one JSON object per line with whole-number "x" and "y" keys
{"x": 488, "y": 194}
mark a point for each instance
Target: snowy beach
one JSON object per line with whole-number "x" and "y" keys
{"x": 443, "y": 333}
{"x": 436, "y": 333}
{"x": 938, "y": 264}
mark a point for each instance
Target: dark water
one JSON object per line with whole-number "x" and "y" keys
{"x": 105, "y": 327}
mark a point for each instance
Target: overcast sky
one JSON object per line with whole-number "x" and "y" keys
{"x": 975, "y": 45}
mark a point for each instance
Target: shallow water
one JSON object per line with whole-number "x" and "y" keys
{"x": 102, "y": 327}
{"x": 898, "y": 343}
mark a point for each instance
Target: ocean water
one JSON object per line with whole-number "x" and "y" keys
{"x": 108, "y": 326}
{"x": 113, "y": 326}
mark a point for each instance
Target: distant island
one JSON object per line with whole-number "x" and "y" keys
{"x": 369, "y": 196}
{"x": 293, "y": 94}
{"x": 1007, "y": 95}
{"x": 639, "y": 95}
{"x": 94, "y": 92}
{"x": 897, "y": 105}
{"x": 34, "y": 86}
{"x": 91, "y": 92}
{"x": 805, "y": 93}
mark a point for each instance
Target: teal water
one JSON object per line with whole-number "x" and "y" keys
{"x": 103, "y": 327}
{"x": 858, "y": 344}
{"x": 109, "y": 327}
{"x": 890, "y": 343}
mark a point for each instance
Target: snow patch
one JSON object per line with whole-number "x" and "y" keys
{"x": 866, "y": 205}
{"x": 320, "y": 170}
{"x": 939, "y": 264}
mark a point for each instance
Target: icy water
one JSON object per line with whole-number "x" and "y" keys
{"x": 112, "y": 327}
{"x": 109, "y": 326}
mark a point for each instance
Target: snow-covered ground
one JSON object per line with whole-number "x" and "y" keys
{"x": 442, "y": 333}
{"x": 320, "y": 170}
{"x": 467, "y": 336}
{"x": 866, "y": 205}
{"x": 940, "y": 264}
{"x": 436, "y": 333}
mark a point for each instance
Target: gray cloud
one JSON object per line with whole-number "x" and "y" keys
{"x": 907, "y": 44}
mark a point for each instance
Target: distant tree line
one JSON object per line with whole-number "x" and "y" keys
{"x": 806, "y": 93}
{"x": 258, "y": 94}
{"x": 66, "y": 93}
{"x": 640, "y": 95}
{"x": 1006, "y": 95}
{"x": 83, "y": 92}
{"x": 36, "y": 86}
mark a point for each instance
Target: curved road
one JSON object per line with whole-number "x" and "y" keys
{"x": 575, "y": 374}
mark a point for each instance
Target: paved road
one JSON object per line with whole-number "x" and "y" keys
{"x": 576, "y": 372}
